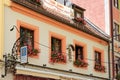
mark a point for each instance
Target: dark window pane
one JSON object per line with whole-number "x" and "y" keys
{"x": 98, "y": 57}
{"x": 56, "y": 45}
{"x": 27, "y": 38}
{"x": 79, "y": 52}
{"x": 116, "y": 31}
{"x": 116, "y": 68}
{"x": 78, "y": 15}
{"x": 116, "y": 3}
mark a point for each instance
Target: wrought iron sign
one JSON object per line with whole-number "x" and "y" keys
{"x": 12, "y": 59}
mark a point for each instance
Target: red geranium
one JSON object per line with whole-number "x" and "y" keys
{"x": 57, "y": 57}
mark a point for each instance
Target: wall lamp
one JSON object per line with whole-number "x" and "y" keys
{"x": 13, "y": 28}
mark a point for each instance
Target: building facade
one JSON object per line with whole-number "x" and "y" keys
{"x": 116, "y": 37}
{"x": 60, "y": 44}
{"x": 108, "y": 19}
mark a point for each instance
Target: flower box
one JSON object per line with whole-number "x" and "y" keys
{"x": 99, "y": 67}
{"x": 80, "y": 20}
{"x": 32, "y": 51}
{"x": 57, "y": 57}
{"x": 80, "y": 63}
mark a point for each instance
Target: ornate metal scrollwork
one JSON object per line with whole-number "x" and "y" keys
{"x": 11, "y": 59}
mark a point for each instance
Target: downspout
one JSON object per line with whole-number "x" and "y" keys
{"x": 109, "y": 60}
{"x": 112, "y": 36}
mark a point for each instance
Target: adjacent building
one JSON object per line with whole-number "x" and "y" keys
{"x": 116, "y": 36}
{"x": 98, "y": 12}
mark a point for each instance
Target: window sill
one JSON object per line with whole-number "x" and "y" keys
{"x": 58, "y": 58}
{"x": 99, "y": 68}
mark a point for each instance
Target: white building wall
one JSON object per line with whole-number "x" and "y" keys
{"x": 107, "y": 16}
{"x": 11, "y": 18}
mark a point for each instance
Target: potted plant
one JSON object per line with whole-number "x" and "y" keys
{"x": 80, "y": 63}
{"x": 35, "y": 51}
{"x": 99, "y": 67}
{"x": 81, "y": 20}
{"x": 57, "y": 57}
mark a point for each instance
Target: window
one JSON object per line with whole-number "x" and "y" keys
{"x": 116, "y": 68}
{"x": 116, "y": 3}
{"x": 61, "y": 1}
{"x": 116, "y": 32}
{"x": 117, "y": 65}
{"x": 30, "y": 34}
{"x": 97, "y": 57}
{"x": 65, "y": 2}
{"x": 79, "y": 52}
{"x": 78, "y": 11}
{"x": 80, "y": 55}
{"x": 78, "y": 14}
{"x": 28, "y": 38}
{"x": 56, "y": 45}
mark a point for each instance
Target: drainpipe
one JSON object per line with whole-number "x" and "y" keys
{"x": 112, "y": 36}
{"x": 109, "y": 60}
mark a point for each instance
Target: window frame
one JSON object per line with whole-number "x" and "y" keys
{"x": 99, "y": 67}
{"x": 117, "y": 66}
{"x": 59, "y": 44}
{"x": 78, "y": 10}
{"x": 116, "y": 31}
{"x": 36, "y": 32}
{"x": 28, "y": 30}
{"x": 84, "y": 46}
{"x": 76, "y": 52}
{"x": 101, "y": 51}
{"x": 98, "y": 58}
{"x": 116, "y": 4}
{"x": 63, "y": 42}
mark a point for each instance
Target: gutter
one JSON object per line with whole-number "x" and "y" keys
{"x": 109, "y": 70}
{"x": 111, "y": 25}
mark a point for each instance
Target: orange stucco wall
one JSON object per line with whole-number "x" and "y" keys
{"x": 95, "y": 11}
